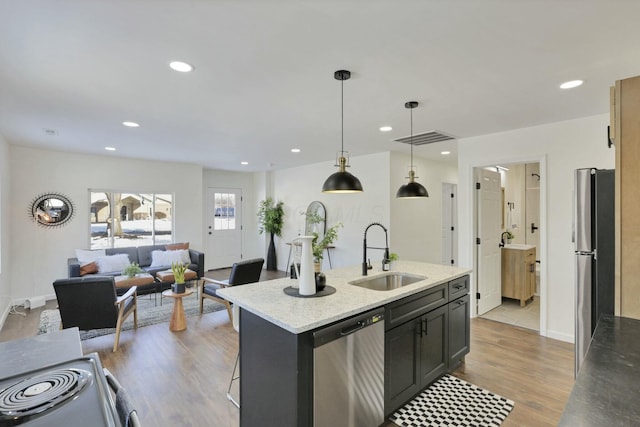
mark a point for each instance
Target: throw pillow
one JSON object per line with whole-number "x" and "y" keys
{"x": 89, "y": 268}
{"x": 85, "y": 257}
{"x": 166, "y": 258}
{"x": 112, "y": 263}
{"x": 177, "y": 246}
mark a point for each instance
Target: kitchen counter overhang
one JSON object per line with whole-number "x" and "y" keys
{"x": 297, "y": 315}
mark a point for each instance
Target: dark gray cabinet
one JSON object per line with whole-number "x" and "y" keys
{"x": 426, "y": 336}
{"x": 459, "y": 333}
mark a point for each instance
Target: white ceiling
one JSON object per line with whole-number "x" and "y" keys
{"x": 264, "y": 82}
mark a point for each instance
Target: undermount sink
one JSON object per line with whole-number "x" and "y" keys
{"x": 387, "y": 281}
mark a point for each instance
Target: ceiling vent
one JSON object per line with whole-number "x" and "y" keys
{"x": 425, "y": 138}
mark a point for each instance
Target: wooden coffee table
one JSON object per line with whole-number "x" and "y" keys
{"x": 178, "y": 320}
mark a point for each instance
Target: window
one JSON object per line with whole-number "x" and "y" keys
{"x": 130, "y": 219}
{"x": 225, "y": 211}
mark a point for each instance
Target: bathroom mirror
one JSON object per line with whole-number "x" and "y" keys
{"x": 316, "y": 219}
{"x": 51, "y": 210}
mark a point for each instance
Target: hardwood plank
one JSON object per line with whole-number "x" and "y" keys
{"x": 181, "y": 378}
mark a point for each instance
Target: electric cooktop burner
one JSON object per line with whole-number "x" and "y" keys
{"x": 39, "y": 393}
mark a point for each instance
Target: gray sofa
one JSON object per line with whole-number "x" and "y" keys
{"x": 142, "y": 256}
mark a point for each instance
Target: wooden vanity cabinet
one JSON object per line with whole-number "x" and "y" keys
{"x": 519, "y": 274}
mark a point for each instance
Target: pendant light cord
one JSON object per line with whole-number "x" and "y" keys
{"x": 411, "y": 138}
{"x": 342, "y": 117}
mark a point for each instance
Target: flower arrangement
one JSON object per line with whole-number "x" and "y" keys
{"x": 393, "y": 256}
{"x": 178, "y": 269}
{"x": 132, "y": 269}
{"x": 330, "y": 236}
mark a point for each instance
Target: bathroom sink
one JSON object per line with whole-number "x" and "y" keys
{"x": 387, "y": 281}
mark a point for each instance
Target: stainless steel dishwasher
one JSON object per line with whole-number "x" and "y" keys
{"x": 348, "y": 372}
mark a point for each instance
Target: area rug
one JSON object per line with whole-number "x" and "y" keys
{"x": 148, "y": 314}
{"x": 451, "y": 401}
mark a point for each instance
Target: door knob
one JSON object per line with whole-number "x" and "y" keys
{"x": 533, "y": 227}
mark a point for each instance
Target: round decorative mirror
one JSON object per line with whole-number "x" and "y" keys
{"x": 316, "y": 219}
{"x": 51, "y": 210}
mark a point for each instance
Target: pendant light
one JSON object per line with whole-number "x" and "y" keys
{"x": 412, "y": 189}
{"x": 342, "y": 181}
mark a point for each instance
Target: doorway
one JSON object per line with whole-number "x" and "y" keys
{"x": 518, "y": 275}
{"x": 224, "y": 227}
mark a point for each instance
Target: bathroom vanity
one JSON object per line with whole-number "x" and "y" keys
{"x": 519, "y": 272}
{"x": 425, "y": 334}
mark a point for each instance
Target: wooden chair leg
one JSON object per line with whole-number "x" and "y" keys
{"x": 117, "y": 339}
{"x": 228, "y": 305}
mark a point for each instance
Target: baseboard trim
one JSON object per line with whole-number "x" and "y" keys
{"x": 560, "y": 336}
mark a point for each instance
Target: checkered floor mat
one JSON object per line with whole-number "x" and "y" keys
{"x": 451, "y": 401}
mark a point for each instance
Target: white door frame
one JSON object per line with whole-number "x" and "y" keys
{"x": 543, "y": 229}
{"x": 449, "y": 224}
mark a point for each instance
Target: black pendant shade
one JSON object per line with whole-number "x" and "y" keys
{"x": 342, "y": 181}
{"x": 412, "y": 189}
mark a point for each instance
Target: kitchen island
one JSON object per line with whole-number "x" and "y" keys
{"x": 276, "y": 335}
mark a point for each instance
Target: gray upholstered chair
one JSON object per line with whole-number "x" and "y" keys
{"x": 241, "y": 273}
{"x": 91, "y": 303}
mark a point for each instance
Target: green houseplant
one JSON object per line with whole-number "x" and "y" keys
{"x": 318, "y": 246}
{"x": 178, "y": 269}
{"x": 271, "y": 220}
{"x": 132, "y": 269}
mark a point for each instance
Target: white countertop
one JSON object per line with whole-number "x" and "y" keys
{"x": 519, "y": 246}
{"x": 268, "y": 300}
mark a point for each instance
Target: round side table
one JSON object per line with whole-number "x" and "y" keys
{"x": 178, "y": 320}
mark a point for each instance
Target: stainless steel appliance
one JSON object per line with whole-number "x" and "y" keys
{"x": 71, "y": 393}
{"x": 348, "y": 372}
{"x": 593, "y": 235}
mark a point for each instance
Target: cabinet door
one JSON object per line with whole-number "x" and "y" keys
{"x": 459, "y": 330}
{"x": 401, "y": 370}
{"x": 434, "y": 345}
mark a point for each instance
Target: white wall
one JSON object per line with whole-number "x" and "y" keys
{"x": 416, "y": 224}
{"x": 5, "y": 252}
{"x": 39, "y": 255}
{"x": 297, "y": 187}
{"x": 513, "y": 183}
{"x": 246, "y": 182}
{"x": 561, "y": 147}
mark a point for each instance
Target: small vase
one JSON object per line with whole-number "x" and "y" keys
{"x": 321, "y": 281}
{"x": 179, "y": 288}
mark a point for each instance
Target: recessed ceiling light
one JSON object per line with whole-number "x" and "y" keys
{"x": 571, "y": 84}
{"x": 295, "y": 150}
{"x": 244, "y": 163}
{"x": 110, "y": 148}
{"x": 385, "y": 128}
{"x": 444, "y": 153}
{"x": 183, "y": 67}
{"x": 131, "y": 124}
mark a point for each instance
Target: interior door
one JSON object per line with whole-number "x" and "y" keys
{"x": 489, "y": 202}
{"x": 224, "y": 227}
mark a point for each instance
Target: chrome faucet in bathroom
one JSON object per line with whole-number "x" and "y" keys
{"x": 385, "y": 261}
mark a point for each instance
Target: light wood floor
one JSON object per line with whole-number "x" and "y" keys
{"x": 181, "y": 379}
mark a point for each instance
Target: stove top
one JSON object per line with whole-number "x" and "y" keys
{"x": 69, "y": 393}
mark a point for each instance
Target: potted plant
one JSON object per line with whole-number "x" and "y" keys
{"x": 318, "y": 246}
{"x": 131, "y": 270}
{"x": 393, "y": 257}
{"x": 271, "y": 219}
{"x": 178, "y": 269}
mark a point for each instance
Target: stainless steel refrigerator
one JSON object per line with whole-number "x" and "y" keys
{"x": 593, "y": 235}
